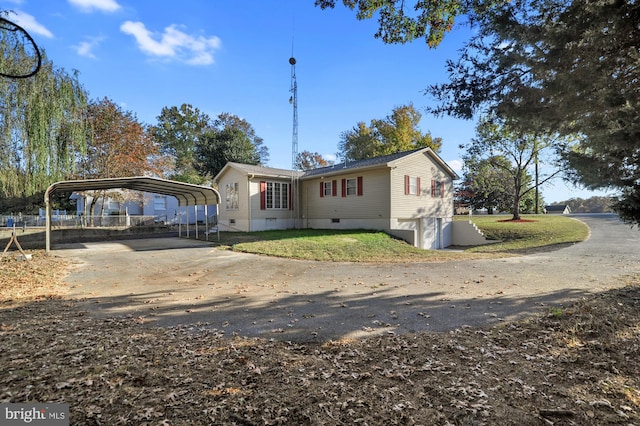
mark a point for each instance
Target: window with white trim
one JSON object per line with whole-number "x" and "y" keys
{"x": 327, "y": 188}
{"x": 352, "y": 187}
{"x": 413, "y": 185}
{"x": 277, "y": 195}
{"x": 159, "y": 203}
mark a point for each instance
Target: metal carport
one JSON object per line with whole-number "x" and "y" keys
{"x": 186, "y": 193}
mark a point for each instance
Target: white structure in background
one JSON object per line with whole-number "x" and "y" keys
{"x": 163, "y": 209}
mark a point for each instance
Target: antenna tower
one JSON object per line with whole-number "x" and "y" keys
{"x": 293, "y": 100}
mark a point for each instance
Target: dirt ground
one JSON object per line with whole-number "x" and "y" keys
{"x": 547, "y": 339}
{"x": 177, "y": 281}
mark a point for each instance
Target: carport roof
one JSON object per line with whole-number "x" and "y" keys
{"x": 186, "y": 193}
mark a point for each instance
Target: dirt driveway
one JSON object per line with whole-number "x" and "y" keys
{"x": 179, "y": 281}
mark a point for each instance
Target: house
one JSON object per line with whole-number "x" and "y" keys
{"x": 406, "y": 194}
{"x": 158, "y": 208}
{"x": 558, "y": 209}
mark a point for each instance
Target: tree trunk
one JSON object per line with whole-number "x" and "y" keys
{"x": 537, "y": 183}
{"x": 516, "y": 196}
{"x": 92, "y": 207}
{"x": 516, "y": 209}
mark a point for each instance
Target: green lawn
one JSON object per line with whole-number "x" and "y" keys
{"x": 535, "y": 232}
{"x": 543, "y": 232}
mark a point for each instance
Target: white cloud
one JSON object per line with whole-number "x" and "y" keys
{"x": 173, "y": 43}
{"x": 330, "y": 157}
{"x": 91, "y": 5}
{"x": 85, "y": 48}
{"x": 30, "y": 24}
{"x": 456, "y": 165}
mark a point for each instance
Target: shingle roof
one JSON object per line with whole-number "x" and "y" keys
{"x": 337, "y": 168}
{"x": 556, "y": 207}
{"x": 264, "y": 171}
{"x": 360, "y": 163}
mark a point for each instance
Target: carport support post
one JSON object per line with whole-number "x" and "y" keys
{"x": 186, "y": 208}
{"x": 206, "y": 222}
{"x": 47, "y": 224}
{"x": 195, "y": 209}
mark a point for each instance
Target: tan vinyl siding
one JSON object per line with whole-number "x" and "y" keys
{"x": 242, "y": 213}
{"x": 372, "y": 204}
{"x": 422, "y": 205}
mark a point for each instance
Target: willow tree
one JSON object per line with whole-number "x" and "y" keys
{"x": 42, "y": 129}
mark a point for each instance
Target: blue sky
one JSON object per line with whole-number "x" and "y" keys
{"x": 233, "y": 56}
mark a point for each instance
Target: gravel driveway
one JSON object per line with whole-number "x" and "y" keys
{"x": 179, "y": 281}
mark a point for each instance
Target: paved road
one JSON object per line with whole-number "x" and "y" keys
{"x": 178, "y": 281}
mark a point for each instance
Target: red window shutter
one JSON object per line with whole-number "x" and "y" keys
{"x": 406, "y": 184}
{"x": 442, "y": 189}
{"x": 321, "y": 188}
{"x": 263, "y": 195}
{"x": 418, "y": 185}
{"x": 344, "y": 187}
{"x": 334, "y": 188}
{"x": 433, "y": 188}
{"x": 359, "y": 185}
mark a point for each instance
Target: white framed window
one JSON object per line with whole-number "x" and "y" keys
{"x": 113, "y": 205}
{"x": 413, "y": 185}
{"x": 277, "y": 195}
{"x": 327, "y": 188}
{"x": 352, "y": 187}
{"x": 160, "y": 203}
{"x": 232, "y": 196}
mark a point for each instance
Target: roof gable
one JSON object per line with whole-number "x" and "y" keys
{"x": 261, "y": 171}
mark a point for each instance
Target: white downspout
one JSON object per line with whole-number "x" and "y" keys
{"x": 251, "y": 176}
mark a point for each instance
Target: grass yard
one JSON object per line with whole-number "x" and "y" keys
{"x": 344, "y": 246}
{"x": 366, "y": 246}
{"x": 535, "y": 232}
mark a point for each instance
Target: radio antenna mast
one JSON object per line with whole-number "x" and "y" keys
{"x": 293, "y": 100}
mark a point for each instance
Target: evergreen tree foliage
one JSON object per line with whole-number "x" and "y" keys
{"x": 567, "y": 69}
